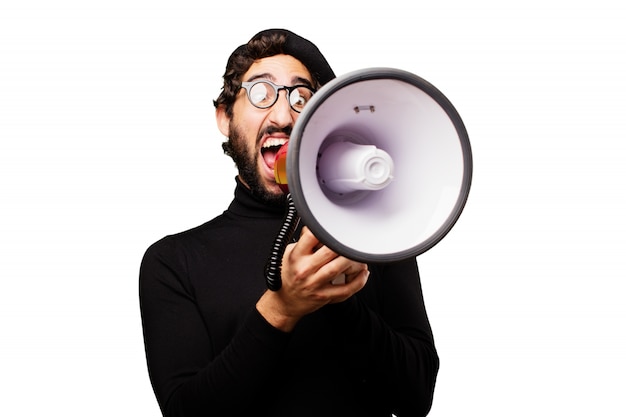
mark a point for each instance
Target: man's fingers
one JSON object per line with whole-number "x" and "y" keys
{"x": 308, "y": 244}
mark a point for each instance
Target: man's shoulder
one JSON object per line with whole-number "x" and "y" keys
{"x": 191, "y": 237}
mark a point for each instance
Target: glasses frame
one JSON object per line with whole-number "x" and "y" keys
{"x": 247, "y": 85}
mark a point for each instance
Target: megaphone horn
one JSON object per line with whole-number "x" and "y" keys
{"x": 378, "y": 166}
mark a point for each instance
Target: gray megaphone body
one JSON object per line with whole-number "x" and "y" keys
{"x": 378, "y": 166}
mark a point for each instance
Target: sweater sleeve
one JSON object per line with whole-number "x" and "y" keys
{"x": 188, "y": 377}
{"x": 389, "y": 326}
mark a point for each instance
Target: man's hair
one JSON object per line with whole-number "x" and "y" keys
{"x": 265, "y": 44}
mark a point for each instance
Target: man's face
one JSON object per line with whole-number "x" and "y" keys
{"x": 256, "y": 134}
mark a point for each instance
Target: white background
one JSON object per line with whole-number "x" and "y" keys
{"x": 108, "y": 142}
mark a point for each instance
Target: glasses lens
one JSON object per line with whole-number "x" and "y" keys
{"x": 299, "y": 97}
{"x": 262, "y": 94}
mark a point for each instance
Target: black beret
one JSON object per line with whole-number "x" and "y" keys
{"x": 303, "y": 50}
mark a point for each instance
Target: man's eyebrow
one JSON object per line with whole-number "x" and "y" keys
{"x": 301, "y": 81}
{"x": 267, "y": 76}
{"x": 264, "y": 76}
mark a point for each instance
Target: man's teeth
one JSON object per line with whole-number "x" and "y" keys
{"x": 271, "y": 142}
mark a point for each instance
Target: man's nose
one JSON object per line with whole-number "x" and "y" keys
{"x": 281, "y": 112}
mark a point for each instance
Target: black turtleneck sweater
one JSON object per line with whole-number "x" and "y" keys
{"x": 210, "y": 352}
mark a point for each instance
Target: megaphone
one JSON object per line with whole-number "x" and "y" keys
{"x": 378, "y": 167}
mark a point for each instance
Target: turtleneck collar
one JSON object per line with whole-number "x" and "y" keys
{"x": 248, "y": 205}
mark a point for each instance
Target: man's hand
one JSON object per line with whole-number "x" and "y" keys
{"x": 308, "y": 272}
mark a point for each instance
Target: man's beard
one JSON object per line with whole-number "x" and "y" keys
{"x": 246, "y": 160}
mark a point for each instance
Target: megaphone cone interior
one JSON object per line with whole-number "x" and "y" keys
{"x": 379, "y": 165}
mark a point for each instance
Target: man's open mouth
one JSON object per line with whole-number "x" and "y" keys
{"x": 270, "y": 148}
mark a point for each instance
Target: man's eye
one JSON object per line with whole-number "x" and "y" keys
{"x": 296, "y": 99}
{"x": 258, "y": 94}
{"x": 300, "y": 96}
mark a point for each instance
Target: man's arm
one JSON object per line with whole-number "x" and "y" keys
{"x": 188, "y": 376}
{"x": 387, "y": 323}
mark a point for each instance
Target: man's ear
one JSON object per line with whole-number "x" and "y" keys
{"x": 223, "y": 121}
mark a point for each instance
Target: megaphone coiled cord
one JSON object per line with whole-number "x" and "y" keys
{"x": 283, "y": 238}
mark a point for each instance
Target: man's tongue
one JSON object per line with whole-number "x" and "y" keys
{"x": 269, "y": 155}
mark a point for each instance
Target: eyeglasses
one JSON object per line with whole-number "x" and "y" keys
{"x": 263, "y": 94}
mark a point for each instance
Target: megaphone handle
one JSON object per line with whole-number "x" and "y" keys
{"x": 285, "y": 234}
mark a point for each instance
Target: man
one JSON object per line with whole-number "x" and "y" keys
{"x": 218, "y": 342}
